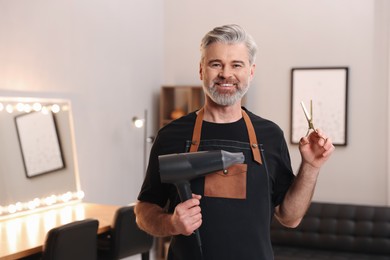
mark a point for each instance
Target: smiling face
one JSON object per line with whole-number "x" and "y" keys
{"x": 226, "y": 72}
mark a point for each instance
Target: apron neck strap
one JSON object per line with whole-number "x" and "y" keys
{"x": 197, "y": 131}
{"x": 249, "y": 126}
{"x": 252, "y": 138}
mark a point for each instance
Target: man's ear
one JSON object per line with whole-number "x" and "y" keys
{"x": 200, "y": 71}
{"x": 252, "y": 72}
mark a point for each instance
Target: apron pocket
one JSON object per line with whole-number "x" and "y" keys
{"x": 230, "y": 183}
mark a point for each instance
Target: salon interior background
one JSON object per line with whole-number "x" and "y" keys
{"x": 111, "y": 57}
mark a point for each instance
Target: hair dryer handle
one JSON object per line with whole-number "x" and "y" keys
{"x": 185, "y": 193}
{"x": 184, "y": 190}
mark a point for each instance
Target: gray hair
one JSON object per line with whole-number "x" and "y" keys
{"x": 230, "y": 34}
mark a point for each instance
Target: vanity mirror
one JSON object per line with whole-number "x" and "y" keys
{"x": 38, "y": 165}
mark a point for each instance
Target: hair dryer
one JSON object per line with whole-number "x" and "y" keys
{"x": 180, "y": 168}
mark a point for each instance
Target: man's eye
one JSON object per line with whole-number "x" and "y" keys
{"x": 237, "y": 65}
{"x": 215, "y": 65}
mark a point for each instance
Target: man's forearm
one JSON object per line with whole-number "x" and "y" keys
{"x": 298, "y": 197}
{"x": 153, "y": 219}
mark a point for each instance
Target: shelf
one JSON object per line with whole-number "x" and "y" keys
{"x": 176, "y": 101}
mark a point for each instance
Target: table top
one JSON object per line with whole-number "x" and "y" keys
{"x": 25, "y": 235}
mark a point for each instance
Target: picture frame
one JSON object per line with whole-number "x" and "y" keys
{"x": 326, "y": 88}
{"x": 39, "y": 143}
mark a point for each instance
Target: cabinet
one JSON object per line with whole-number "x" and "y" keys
{"x": 176, "y": 101}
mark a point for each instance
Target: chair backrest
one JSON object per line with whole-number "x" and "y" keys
{"x": 126, "y": 238}
{"x": 76, "y": 240}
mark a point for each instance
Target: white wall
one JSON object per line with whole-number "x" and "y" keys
{"x": 106, "y": 56}
{"x": 111, "y": 57}
{"x": 304, "y": 33}
{"x": 387, "y": 21}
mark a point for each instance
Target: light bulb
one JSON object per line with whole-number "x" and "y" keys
{"x": 45, "y": 110}
{"x": 139, "y": 123}
{"x": 55, "y": 108}
{"x": 80, "y": 194}
{"x": 19, "y": 206}
{"x": 9, "y": 108}
{"x": 31, "y": 205}
{"x": 20, "y": 107}
{"x": 50, "y": 200}
{"x": 11, "y": 209}
{"x": 27, "y": 108}
{"x": 37, "y": 107}
{"x": 37, "y": 202}
{"x": 66, "y": 196}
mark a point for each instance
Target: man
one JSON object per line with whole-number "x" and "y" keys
{"x": 234, "y": 222}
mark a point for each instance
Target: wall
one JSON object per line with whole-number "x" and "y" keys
{"x": 110, "y": 58}
{"x": 304, "y": 33}
{"x": 106, "y": 57}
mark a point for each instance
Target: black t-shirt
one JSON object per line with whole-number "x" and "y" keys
{"x": 172, "y": 139}
{"x": 175, "y": 137}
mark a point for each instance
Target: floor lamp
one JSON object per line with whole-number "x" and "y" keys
{"x": 143, "y": 123}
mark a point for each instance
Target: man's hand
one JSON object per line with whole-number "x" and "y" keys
{"x": 187, "y": 216}
{"x": 316, "y": 148}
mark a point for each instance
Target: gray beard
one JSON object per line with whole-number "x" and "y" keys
{"x": 225, "y": 99}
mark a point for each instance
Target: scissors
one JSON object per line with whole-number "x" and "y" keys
{"x": 309, "y": 118}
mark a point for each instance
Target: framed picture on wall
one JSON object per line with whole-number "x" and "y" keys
{"x": 326, "y": 89}
{"x": 39, "y": 143}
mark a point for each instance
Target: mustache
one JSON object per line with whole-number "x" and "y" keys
{"x": 225, "y": 82}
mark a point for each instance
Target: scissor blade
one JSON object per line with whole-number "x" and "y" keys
{"x": 308, "y": 118}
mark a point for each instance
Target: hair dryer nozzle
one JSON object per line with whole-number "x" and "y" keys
{"x": 229, "y": 159}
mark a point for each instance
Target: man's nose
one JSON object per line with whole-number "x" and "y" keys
{"x": 225, "y": 73}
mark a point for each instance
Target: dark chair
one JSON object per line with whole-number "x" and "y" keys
{"x": 76, "y": 240}
{"x": 125, "y": 238}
